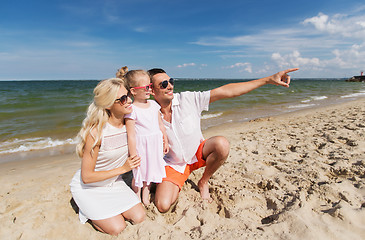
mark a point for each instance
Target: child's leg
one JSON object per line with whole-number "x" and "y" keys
{"x": 146, "y": 194}
{"x": 136, "y": 189}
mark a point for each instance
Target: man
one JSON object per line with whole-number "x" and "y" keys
{"x": 188, "y": 149}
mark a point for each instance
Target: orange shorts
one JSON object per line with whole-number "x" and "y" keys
{"x": 179, "y": 178}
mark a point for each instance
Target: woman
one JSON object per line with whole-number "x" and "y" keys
{"x": 97, "y": 188}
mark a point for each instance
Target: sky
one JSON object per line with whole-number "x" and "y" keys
{"x": 79, "y": 39}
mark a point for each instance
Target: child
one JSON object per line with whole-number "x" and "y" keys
{"x": 146, "y": 134}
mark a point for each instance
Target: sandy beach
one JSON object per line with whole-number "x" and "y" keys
{"x": 295, "y": 176}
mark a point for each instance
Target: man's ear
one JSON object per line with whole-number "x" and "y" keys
{"x": 152, "y": 92}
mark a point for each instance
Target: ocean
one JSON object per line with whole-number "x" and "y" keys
{"x": 46, "y": 115}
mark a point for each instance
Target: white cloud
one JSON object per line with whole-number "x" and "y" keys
{"x": 350, "y": 58}
{"x": 329, "y": 32}
{"x": 186, "y": 65}
{"x": 294, "y": 59}
{"x": 339, "y": 24}
{"x": 242, "y": 66}
{"x": 268, "y": 40}
{"x": 319, "y": 45}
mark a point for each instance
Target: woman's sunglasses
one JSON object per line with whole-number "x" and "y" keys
{"x": 147, "y": 87}
{"x": 165, "y": 83}
{"x": 123, "y": 99}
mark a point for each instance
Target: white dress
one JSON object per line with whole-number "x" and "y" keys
{"x": 108, "y": 198}
{"x": 149, "y": 144}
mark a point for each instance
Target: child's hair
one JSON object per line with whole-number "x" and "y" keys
{"x": 105, "y": 94}
{"x": 130, "y": 77}
{"x": 121, "y": 72}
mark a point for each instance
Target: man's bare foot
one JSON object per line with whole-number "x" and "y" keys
{"x": 204, "y": 191}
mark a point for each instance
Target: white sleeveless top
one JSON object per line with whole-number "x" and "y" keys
{"x": 108, "y": 198}
{"x": 113, "y": 153}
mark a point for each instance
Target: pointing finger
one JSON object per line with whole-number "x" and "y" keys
{"x": 291, "y": 70}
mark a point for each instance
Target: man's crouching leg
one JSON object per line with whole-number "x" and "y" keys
{"x": 166, "y": 195}
{"x": 215, "y": 153}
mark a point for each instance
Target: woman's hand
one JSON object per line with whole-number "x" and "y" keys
{"x": 132, "y": 162}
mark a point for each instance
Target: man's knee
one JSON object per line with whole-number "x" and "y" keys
{"x": 222, "y": 146}
{"x": 166, "y": 195}
{"x": 163, "y": 205}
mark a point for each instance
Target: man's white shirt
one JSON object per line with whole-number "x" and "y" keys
{"x": 184, "y": 131}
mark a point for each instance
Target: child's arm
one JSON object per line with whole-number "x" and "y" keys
{"x": 165, "y": 140}
{"x": 131, "y": 134}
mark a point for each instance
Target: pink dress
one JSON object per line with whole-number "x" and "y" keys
{"x": 149, "y": 144}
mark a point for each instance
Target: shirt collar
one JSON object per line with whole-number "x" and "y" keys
{"x": 175, "y": 100}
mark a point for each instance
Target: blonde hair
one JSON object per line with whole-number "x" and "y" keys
{"x": 105, "y": 94}
{"x": 130, "y": 77}
{"x": 121, "y": 72}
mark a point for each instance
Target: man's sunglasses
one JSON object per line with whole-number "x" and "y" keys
{"x": 147, "y": 87}
{"x": 123, "y": 99}
{"x": 165, "y": 83}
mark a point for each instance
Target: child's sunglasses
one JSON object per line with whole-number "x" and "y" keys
{"x": 147, "y": 87}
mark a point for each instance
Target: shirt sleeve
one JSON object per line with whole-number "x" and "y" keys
{"x": 131, "y": 115}
{"x": 202, "y": 100}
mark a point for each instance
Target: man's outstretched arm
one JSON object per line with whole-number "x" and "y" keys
{"x": 237, "y": 89}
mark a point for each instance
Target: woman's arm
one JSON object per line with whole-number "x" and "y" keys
{"x": 88, "y": 173}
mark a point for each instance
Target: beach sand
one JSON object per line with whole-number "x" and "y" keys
{"x": 294, "y": 176}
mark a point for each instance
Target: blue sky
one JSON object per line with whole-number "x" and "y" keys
{"x": 61, "y": 39}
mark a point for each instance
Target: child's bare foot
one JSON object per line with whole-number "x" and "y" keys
{"x": 204, "y": 191}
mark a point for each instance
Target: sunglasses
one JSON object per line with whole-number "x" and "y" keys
{"x": 165, "y": 83}
{"x": 123, "y": 99}
{"x": 147, "y": 87}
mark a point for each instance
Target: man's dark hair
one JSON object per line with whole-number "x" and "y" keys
{"x": 155, "y": 71}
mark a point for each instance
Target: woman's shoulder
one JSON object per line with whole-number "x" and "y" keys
{"x": 92, "y": 135}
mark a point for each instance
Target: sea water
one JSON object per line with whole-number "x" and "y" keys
{"x": 36, "y": 115}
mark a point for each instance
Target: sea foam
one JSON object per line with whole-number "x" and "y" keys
{"x": 29, "y": 144}
{"x": 314, "y": 98}
{"x": 213, "y": 115}
{"x": 359, "y": 94}
{"x": 301, "y": 106}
